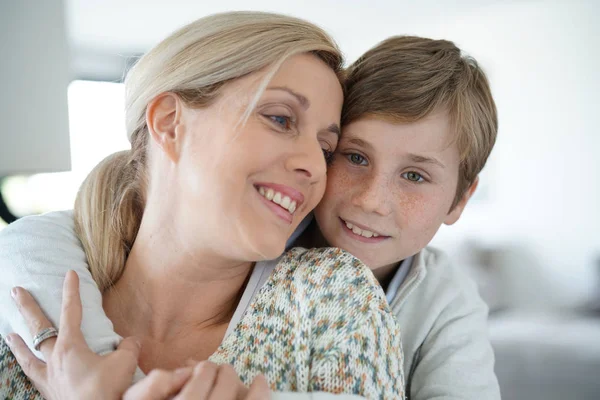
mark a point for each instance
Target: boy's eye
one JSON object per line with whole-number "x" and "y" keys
{"x": 356, "y": 159}
{"x": 413, "y": 176}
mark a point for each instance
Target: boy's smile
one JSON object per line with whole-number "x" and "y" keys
{"x": 390, "y": 187}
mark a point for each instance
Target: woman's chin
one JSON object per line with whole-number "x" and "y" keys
{"x": 269, "y": 251}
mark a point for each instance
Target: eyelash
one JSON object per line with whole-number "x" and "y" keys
{"x": 289, "y": 122}
{"x": 420, "y": 180}
{"x": 328, "y": 154}
{"x": 350, "y": 155}
{"x": 405, "y": 175}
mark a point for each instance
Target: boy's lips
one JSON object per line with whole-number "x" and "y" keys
{"x": 362, "y": 232}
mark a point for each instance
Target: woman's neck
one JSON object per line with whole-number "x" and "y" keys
{"x": 168, "y": 292}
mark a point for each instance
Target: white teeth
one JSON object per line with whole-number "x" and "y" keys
{"x": 361, "y": 232}
{"x": 277, "y": 198}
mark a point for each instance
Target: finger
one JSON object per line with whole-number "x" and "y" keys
{"x": 259, "y": 390}
{"x": 34, "y": 318}
{"x": 191, "y": 362}
{"x": 159, "y": 385}
{"x": 30, "y": 364}
{"x": 201, "y": 383}
{"x": 227, "y": 385}
{"x": 127, "y": 355}
{"x": 70, "y": 316}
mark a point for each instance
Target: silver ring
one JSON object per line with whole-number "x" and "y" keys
{"x": 42, "y": 335}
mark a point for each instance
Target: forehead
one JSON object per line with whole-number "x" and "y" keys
{"x": 432, "y": 134}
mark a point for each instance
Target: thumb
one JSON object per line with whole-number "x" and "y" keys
{"x": 259, "y": 390}
{"x": 128, "y": 352}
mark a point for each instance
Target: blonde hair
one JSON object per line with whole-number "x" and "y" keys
{"x": 406, "y": 78}
{"x": 194, "y": 63}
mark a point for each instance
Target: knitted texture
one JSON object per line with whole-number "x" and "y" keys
{"x": 14, "y": 384}
{"x": 320, "y": 323}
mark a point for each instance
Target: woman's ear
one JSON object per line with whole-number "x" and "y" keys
{"x": 456, "y": 212}
{"x": 163, "y": 118}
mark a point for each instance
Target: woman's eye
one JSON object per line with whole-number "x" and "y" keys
{"x": 356, "y": 159}
{"x": 328, "y": 154}
{"x": 282, "y": 121}
{"x": 413, "y": 176}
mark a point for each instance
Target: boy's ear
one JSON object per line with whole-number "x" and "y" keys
{"x": 456, "y": 212}
{"x": 163, "y": 118}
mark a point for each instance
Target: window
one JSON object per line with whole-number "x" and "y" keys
{"x": 97, "y": 129}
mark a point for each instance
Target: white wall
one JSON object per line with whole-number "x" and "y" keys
{"x": 544, "y": 175}
{"x": 34, "y": 74}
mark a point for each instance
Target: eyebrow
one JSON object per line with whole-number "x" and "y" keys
{"x": 413, "y": 157}
{"x": 360, "y": 142}
{"x": 334, "y": 128}
{"x": 301, "y": 99}
{"x": 426, "y": 160}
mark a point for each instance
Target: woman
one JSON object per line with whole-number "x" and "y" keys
{"x": 229, "y": 120}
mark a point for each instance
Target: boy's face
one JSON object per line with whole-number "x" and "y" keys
{"x": 390, "y": 187}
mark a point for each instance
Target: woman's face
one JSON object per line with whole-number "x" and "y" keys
{"x": 243, "y": 188}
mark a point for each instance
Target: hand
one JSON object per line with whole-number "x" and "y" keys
{"x": 204, "y": 381}
{"x": 72, "y": 370}
{"x": 210, "y": 381}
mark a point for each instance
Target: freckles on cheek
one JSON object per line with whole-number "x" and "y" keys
{"x": 338, "y": 180}
{"x": 413, "y": 207}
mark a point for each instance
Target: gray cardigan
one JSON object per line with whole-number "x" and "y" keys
{"x": 447, "y": 351}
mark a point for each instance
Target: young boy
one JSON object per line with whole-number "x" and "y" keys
{"x": 418, "y": 124}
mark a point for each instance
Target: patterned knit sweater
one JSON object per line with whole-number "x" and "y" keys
{"x": 320, "y": 323}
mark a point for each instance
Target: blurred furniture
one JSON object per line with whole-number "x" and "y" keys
{"x": 34, "y": 75}
{"x": 544, "y": 350}
{"x": 547, "y": 357}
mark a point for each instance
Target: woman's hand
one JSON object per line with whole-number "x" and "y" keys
{"x": 210, "y": 381}
{"x": 71, "y": 370}
{"x": 204, "y": 381}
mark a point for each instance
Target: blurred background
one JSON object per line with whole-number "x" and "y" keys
{"x": 531, "y": 235}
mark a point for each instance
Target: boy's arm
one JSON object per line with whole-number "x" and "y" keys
{"x": 36, "y": 253}
{"x": 456, "y": 361}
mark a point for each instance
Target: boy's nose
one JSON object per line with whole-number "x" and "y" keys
{"x": 372, "y": 195}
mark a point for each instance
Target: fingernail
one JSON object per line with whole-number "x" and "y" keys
{"x": 14, "y": 292}
{"x": 9, "y": 339}
{"x": 182, "y": 372}
{"x": 199, "y": 367}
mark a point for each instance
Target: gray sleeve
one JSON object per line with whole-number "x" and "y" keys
{"x": 36, "y": 253}
{"x": 456, "y": 361}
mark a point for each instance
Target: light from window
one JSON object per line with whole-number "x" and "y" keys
{"x": 97, "y": 129}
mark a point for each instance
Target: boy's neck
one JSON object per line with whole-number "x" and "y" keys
{"x": 386, "y": 273}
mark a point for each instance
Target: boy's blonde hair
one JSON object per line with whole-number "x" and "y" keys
{"x": 406, "y": 78}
